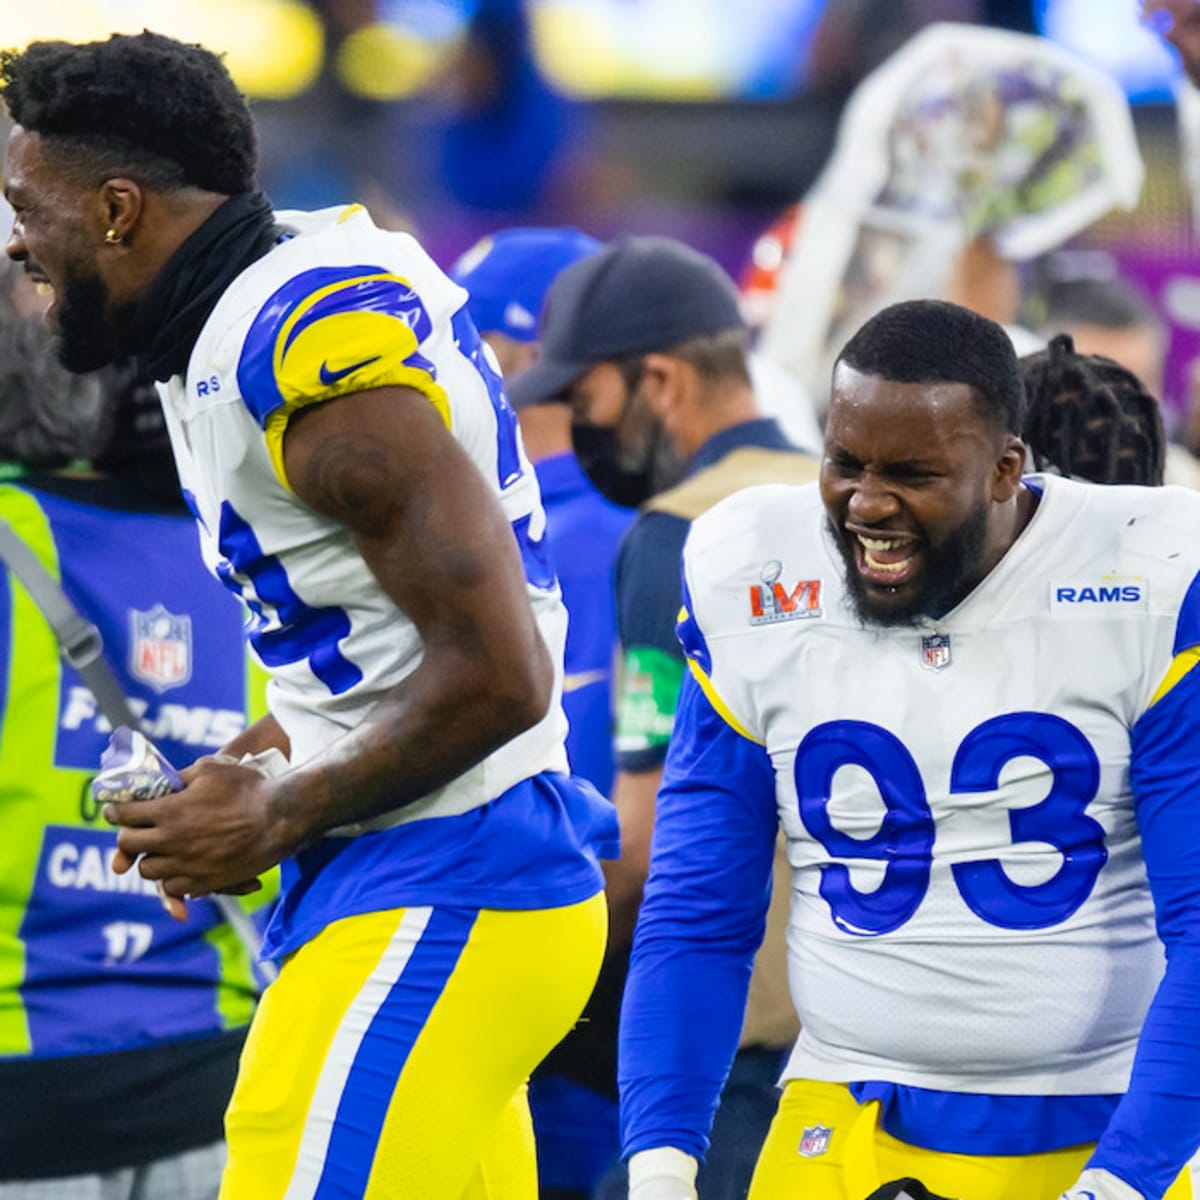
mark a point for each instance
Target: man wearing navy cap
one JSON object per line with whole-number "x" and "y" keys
{"x": 647, "y": 343}
{"x": 573, "y": 1094}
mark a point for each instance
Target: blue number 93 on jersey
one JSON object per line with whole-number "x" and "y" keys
{"x": 905, "y": 838}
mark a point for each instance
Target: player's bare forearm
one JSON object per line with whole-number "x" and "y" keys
{"x": 446, "y": 717}
{"x": 230, "y": 823}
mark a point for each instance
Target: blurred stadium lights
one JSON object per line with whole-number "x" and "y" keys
{"x": 678, "y": 50}
{"x": 1109, "y": 34}
{"x": 274, "y": 48}
{"x": 399, "y": 52}
{"x": 673, "y": 49}
{"x": 659, "y": 50}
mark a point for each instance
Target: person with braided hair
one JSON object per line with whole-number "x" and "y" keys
{"x": 121, "y": 1029}
{"x": 1108, "y": 315}
{"x": 1088, "y": 417}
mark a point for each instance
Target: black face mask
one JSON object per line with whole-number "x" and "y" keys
{"x": 598, "y": 454}
{"x": 626, "y": 479}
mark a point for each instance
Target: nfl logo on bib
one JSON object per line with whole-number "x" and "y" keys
{"x": 815, "y": 1140}
{"x": 161, "y": 648}
{"x": 935, "y": 651}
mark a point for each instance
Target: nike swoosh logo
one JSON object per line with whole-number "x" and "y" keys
{"x": 581, "y": 679}
{"x": 329, "y": 377}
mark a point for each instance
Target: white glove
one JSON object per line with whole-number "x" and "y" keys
{"x": 269, "y": 762}
{"x": 663, "y": 1173}
{"x": 1100, "y": 1185}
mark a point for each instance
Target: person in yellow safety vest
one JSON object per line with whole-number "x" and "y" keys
{"x": 120, "y": 1028}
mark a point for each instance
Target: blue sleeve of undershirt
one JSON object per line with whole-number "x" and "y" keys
{"x": 1156, "y": 1127}
{"x": 701, "y": 921}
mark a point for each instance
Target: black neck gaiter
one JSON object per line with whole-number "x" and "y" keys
{"x": 169, "y": 317}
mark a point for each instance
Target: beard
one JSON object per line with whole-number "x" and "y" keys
{"x": 950, "y": 569}
{"x": 85, "y": 340}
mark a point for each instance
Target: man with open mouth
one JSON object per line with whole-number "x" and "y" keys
{"x": 968, "y": 698}
{"x": 358, "y": 481}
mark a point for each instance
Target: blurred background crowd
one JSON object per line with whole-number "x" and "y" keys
{"x": 1036, "y": 160}
{"x": 703, "y": 119}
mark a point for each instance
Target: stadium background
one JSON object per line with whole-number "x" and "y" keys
{"x": 699, "y": 118}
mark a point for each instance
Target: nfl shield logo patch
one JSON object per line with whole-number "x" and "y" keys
{"x": 935, "y": 651}
{"x": 815, "y": 1140}
{"x": 160, "y": 648}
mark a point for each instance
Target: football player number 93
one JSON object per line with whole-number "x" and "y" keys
{"x": 904, "y": 840}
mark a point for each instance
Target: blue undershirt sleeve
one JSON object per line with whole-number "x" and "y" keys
{"x": 1156, "y": 1127}
{"x": 701, "y": 921}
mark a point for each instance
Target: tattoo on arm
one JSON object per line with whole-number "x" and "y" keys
{"x": 348, "y": 477}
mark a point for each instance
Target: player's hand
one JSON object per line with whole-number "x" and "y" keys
{"x": 245, "y": 888}
{"x": 220, "y": 833}
{"x": 1179, "y": 23}
{"x": 1100, "y": 1185}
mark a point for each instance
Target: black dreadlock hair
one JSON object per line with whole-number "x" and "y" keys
{"x": 1090, "y": 418}
{"x": 160, "y": 111}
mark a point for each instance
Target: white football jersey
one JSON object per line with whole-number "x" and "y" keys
{"x": 970, "y": 908}
{"x": 342, "y": 307}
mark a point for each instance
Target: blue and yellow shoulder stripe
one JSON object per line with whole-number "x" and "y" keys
{"x": 330, "y": 331}
{"x": 1186, "y": 650}
{"x": 699, "y": 661}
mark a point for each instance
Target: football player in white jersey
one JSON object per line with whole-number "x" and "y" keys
{"x": 968, "y": 699}
{"x": 357, "y": 478}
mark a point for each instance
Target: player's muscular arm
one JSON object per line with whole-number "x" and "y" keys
{"x": 431, "y": 530}
{"x": 433, "y": 534}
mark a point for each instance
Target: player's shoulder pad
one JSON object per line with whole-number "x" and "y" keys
{"x": 340, "y": 306}
{"x": 1109, "y": 521}
{"x": 1148, "y": 536}
{"x": 752, "y": 517}
{"x": 728, "y": 546}
{"x": 1159, "y": 525}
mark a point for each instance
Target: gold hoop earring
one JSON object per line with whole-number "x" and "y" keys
{"x": 112, "y": 238}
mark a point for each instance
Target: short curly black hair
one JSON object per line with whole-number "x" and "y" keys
{"x": 160, "y": 111}
{"x": 934, "y": 341}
